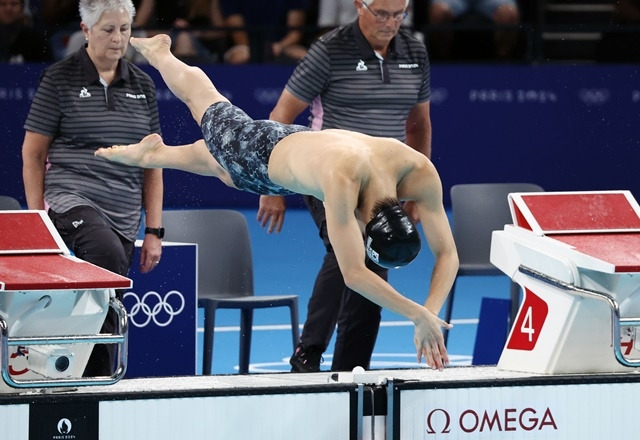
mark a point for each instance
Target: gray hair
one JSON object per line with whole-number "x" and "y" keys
{"x": 368, "y": 2}
{"x": 92, "y": 10}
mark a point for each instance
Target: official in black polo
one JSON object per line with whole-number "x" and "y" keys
{"x": 95, "y": 98}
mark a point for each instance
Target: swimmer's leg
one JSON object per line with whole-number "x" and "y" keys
{"x": 151, "y": 152}
{"x": 190, "y": 84}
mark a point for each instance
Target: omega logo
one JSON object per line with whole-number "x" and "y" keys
{"x": 439, "y": 421}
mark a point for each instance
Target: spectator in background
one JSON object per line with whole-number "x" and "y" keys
{"x": 265, "y": 30}
{"x": 19, "y": 41}
{"x": 206, "y": 19}
{"x": 192, "y": 25}
{"x": 92, "y": 99}
{"x": 179, "y": 17}
{"x": 372, "y": 77}
{"x": 500, "y": 12}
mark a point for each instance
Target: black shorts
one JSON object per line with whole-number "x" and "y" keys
{"x": 243, "y": 146}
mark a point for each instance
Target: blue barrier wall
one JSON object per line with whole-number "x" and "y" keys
{"x": 563, "y": 127}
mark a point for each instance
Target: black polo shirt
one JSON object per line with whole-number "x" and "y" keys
{"x": 350, "y": 86}
{"x": 72, "y": 106}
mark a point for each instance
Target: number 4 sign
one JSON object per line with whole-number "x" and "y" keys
{"x": 529, "y": 323}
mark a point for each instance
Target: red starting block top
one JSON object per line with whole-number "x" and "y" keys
{"x": 55, "y": 272}
{"x": 603, "y": 225}
{"x": 33, "y": 256}
{"x": 29, "y": 232}
{"x": 620, "y": 249}
{"x": 558, "y": 212}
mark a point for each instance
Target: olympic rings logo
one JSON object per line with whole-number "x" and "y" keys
{"x": 152, "y": 306}
{"x": 594, "y": 96}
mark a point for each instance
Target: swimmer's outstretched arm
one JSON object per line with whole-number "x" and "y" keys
{"x": 151, "y": 152}
{"x": 341, "y": 200}
{"x": 349, "y": 250}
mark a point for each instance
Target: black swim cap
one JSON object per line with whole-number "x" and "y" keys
{"x": 391, "y": 238}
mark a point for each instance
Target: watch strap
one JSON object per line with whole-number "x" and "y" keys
{"x": 158, "y": 232}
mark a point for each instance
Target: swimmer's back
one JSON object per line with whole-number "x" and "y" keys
{"x": 302, "y": 160}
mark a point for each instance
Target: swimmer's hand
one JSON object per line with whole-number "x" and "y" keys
{"x": 271, "y": 210}
{"x": 429, "y": 340}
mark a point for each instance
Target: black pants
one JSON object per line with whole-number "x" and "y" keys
{"x": 90, "y": 238}
{"x": 331, "y": 303}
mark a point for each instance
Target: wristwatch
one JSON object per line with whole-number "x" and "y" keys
{"x": 158, "y": 232}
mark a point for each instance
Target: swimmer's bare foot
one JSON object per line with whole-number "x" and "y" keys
{"x": 140, "y": 154}
{"x": 150, "y": 48}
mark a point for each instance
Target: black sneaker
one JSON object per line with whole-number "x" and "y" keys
{"x": 306, "y": 360}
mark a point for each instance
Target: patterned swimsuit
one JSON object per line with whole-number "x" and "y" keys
{"x": 243, "y": 146}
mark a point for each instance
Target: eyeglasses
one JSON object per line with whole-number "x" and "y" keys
{"x": 383, "y": 16}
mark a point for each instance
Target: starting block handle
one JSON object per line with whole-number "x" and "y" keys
{"x": 616, "y": 320}
{"x": 120, "y": 337}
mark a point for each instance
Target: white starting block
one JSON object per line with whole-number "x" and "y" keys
{"x": 577, "y": 257}
{"x": 52, "y": 306}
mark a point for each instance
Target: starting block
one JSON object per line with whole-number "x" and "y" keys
{"x": 52, "y": 306}
{"x": 576, "y": 256}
